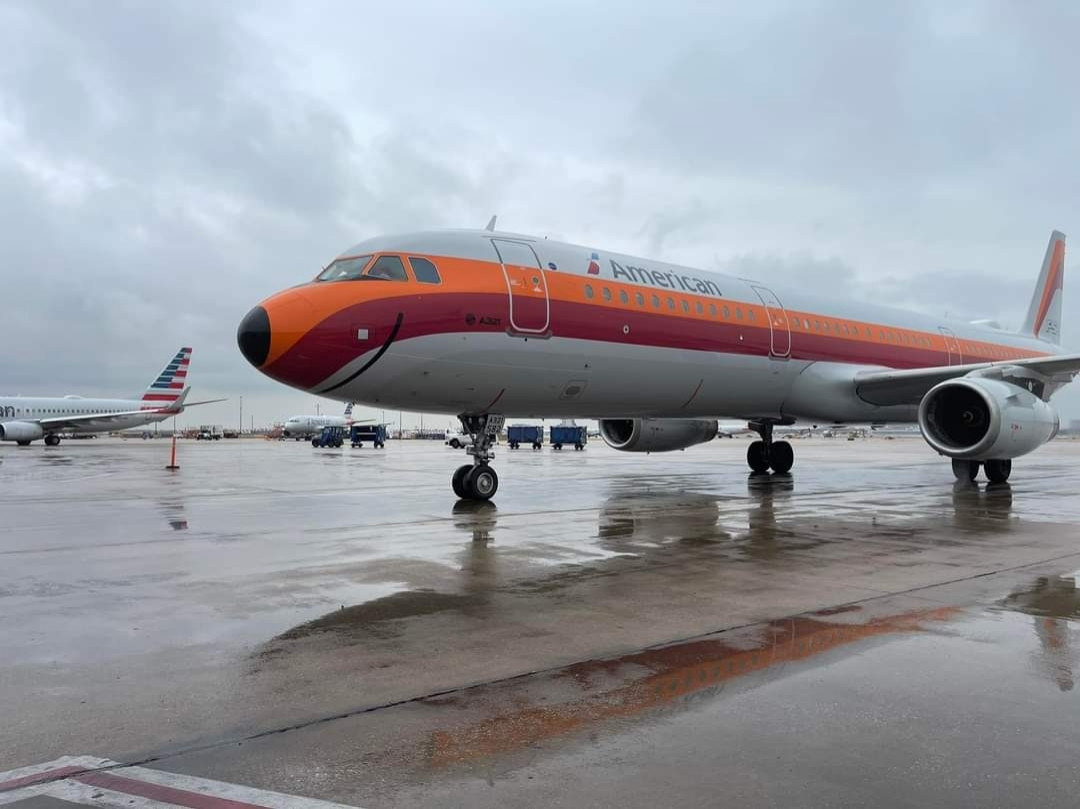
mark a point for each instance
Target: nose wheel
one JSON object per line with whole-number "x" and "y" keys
{"x": 478, "y": 481}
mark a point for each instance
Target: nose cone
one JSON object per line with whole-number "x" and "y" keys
{"x": 253, "y": 336}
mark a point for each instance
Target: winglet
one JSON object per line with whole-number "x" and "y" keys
{"x": 1044, "y": 313}
{"x": 491, "y": 222}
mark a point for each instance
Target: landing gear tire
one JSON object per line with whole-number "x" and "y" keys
{"x": 998, "y": 471}
{"x": 781, "y": 457}
{"x": 756, "y": 458}
{"x": 478, "y": 481}
{"x": 481, "y": 483}
{"x": 23, "y": 443}
{"x": 966, "y": 471}
{"x": 457, "y": 482}
{"x": 455, "y": 443}
{"x": 52, "y": 440}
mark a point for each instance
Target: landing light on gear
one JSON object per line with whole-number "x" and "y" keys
{"x": 478, "y": 481}
{"x": 766, "y": 453}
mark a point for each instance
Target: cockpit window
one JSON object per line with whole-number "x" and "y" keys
{"x": 344, "y": 269}
{"x": 388, "y": 267}
{"x": 424, "y": 270}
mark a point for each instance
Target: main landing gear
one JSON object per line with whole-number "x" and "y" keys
{"x": 997, "y": 471}
{"x": 478, "y": 481}
{"x": 52, "y": 440}
{"x": 766, "y": 453}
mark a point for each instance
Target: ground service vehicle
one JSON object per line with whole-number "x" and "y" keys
{"x": 374, "y": 434}
{"x": 570, "y": 435}
{"x": 518, "y": 434}
{"x": 333, "y": 436}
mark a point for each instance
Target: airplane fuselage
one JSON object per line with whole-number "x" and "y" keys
{"x": 32, "y": 409}
{"x": 308, "y": 426}
{"x": 532, "y": 327}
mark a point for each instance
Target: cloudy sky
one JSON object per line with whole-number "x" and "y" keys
{"x": 164, "y": 166}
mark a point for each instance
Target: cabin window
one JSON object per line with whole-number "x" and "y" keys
{"x": 727, "y": 313}
{"x": 656, "y": 301}
{"x": 639, "y": 299}
{"x": 671, "y": 304}
{"x": 738, "y": 313}
{"x": 686, "y": 305}
{"x": 712, "y": 310}
{"x": 699, "y": 308}
{"x": 750, "y": 315}
{"x": 826, "y": 326}
{"x": 425, "y": 271}
{"x": 589, "y": 291}
{"x": 605, "y": 293}
{"x": 623, "y": 297}
{"x": 388, "y": 268}
{"x": 344, "y": 269}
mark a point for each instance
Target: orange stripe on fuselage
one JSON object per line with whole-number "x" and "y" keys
{"x": 295, "y": 312}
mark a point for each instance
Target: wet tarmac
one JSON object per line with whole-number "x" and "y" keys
{"x": 614, "y": 630}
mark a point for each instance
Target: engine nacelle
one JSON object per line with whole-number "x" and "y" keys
{"x": 20, "y": 431}
{"x": 656, "y": 435}
{"x": 983, "y": 419}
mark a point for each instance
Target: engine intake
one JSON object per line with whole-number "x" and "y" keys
{"x": 20, "y": 431}
{"x": 656, "y": 435}
{"x": 984, "y": 419}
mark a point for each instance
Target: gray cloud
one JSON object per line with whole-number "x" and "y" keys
{"x": 164, "y": 166}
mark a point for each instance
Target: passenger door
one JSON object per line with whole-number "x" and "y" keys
{"x": 530, "y": 307}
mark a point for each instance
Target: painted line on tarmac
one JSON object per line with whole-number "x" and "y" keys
{"x": 100, "y": 782}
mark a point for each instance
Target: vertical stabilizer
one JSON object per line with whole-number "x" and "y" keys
{"x": 1044, "y": 314}
{"x": 169, "y": 384}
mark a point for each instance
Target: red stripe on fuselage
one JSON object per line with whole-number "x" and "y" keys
{"x": 332, "y": 343}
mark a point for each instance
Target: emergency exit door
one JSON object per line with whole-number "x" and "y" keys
{"x": 780, "y": 329}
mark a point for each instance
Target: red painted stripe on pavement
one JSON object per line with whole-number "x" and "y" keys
{"x": 157, "y": 792}
{"x": 39, "y": 777}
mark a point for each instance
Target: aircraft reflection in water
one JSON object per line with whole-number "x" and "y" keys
{"x": 671, "y": 677}
{"x": 1051, "y": 602}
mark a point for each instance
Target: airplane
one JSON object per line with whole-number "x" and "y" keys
{"x": 300, "y": 427}
{"x": 25, "y": 419}
{"x": 487, "y": 325}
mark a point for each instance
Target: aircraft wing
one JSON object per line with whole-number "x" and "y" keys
{"x": 97, "y": 419}
{"x": 907, "y": 387}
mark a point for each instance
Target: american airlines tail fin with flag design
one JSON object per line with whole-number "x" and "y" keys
{"x": 1044, "y": 314}
{"x": 166, "y": 389}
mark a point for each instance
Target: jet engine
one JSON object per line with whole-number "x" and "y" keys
{"x": 656, "y": 435}
{"x": 981, "y": 419}
{"x": 20, "y": 431}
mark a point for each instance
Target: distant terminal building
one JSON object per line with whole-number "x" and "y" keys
{"x": 1074, "y": 427}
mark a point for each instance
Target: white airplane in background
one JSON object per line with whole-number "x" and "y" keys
{"x": 300, "y": 427}
{"x": 24, "y": 419}
{"x": 487, "y": 325}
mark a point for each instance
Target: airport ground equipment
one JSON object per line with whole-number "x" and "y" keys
{"x": 570, "y": 435}
{"x": 518, "y": 434}
{"x": 333, "y": 436}
{"x": 374, "y": 434}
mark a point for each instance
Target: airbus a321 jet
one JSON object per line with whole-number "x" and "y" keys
{"x": 24, "y": 419}
{"x": 487, "y": 325}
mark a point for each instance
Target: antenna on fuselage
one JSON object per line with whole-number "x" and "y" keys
{"x": 491, "y": 222}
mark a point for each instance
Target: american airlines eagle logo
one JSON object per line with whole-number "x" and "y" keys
{"x": 594, "y": 264}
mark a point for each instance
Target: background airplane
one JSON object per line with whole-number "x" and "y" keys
{"x": 488, "y": 325}
{"x": 24, "y": 419}
{"x": 306, "y": 426}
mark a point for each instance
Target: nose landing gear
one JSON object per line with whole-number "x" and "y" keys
{"x": 478, "y": 481}
{"x": 766, "y": 453}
